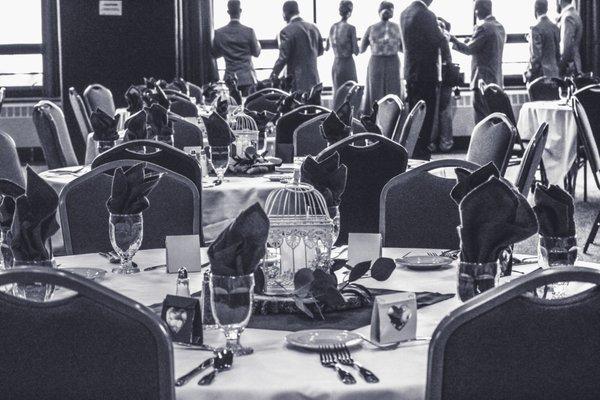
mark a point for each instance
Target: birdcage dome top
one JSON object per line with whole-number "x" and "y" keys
{"x": 297, "y": 203}
{"x": 243, "y": 123}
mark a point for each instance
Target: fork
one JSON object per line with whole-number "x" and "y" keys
{"x": 345, "y": 358}
{"x": 328, "y": 361}
{"x": 432, "y": 254}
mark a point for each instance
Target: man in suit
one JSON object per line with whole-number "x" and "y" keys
{"x": 571, "y": 34}
{"x": 486, "y": 47}
{"x": 544, "y": 45}
{"x": 422, "y": 41}
{"x": 300, "y": 43}
{"x": 237, "y": 44}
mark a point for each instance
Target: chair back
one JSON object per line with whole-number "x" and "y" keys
{"x": 497, "y": 101}
{"x": 266, "y": 92}
{"x": 10, "y": 166}
{"x": 587, "y": 137}
{"x": 532, "y": 160}
{"x": 2, "y": 96}
{"x": 53, "y": 134}
{"x": 184, "y": 108}
{"x": 81, "y": 115}
{"x": 589, "y": 98}
{"x": 287, "y": 124}
{"x": 195, "y": 92}
{"x": 416, "y": 210}
{"x": 370, "y": 168}
{"x": 185, "y": 133}
{"x": 583, "y": 81}
{"x": 545, "y": 89}
{"x": 265, "y": 100}
{"x": 94, "y": 344}
{"x": 351, "y": 88}
{"x": 308, "y": 139}
{"x": 84, "y": 216}
{"x": 389, "y": 115}
{"x": 492, "y": 141}
{"x": 98, "y": 96}
{"x": 507, "y": 344}
{"x": 412, "y": 128}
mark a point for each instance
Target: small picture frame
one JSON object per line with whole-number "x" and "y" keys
{"x": 183, "y": 317}
{"x": 394, "y": 318}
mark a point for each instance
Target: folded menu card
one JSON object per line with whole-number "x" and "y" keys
{"x": 183, "y": 252}
{"x": 394, "y": 318}
{"x": 363, "y": 247}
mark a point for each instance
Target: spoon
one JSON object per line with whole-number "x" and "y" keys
{"x": 222, "y": 362}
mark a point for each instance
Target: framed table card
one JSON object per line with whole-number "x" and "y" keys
{"x": 394, "y": 318}
{"x": 183, "y": 251}
{"x": 183, "y": 318}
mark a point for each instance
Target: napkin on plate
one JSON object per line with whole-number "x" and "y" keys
{"x": 104, "y": 126}
{"x": 130, "y": 190}
{"x": 335, "y": 129}
{"x": 218, "y": 131}
{"x": 240, "y": 247}
{"x": 555, "y": 211}
{"x": 34, "y": 220}
{"x": 157, "y": 121}
{"x": 314, "y": 96}
{"x": 134, "y": 99}
{"x": 9, "y": 192}
{"x": 232, "y": 84}
{"x": 135, "y": 127}
{"x": 493, "y": 217}
{"x": 327, "y": 176}
{"x": 370, "y": 121}
{"x": 466, "y": 180}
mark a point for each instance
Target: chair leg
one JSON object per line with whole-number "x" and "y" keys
{"x": 593, "y": 234}
{"x": 585, "y": 182}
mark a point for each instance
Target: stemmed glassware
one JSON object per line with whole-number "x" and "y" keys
{"x": 126, "y": 235}
{"x": 219, "y": 160}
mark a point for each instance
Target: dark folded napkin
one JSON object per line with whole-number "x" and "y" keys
{"x": 334, "y": 129}
{"x": 130, "y": 190}
{"x": 327, "y": 176}
{"x": 209, "y": 93}
{"x": 262, "y": 119}
{"x": 218, "y": 131}
{"x": 156, "y": 96}
{"x": 555, "y": 210}
{"x": 231, "y": 80}
{"x": 180, "y": 85}
{"x": 222, "y": 107}
{"x": 466, "y": 180}
{"x": 150, "y": 82}
{"x": 9, "y": 192}
{"x": 493, "y": 217}
{"x": 314, "y": 96}
{"x": 134, "y": 99}
{"x": 344, "y": 113}
{"x": 289, "y": 103}
{"x": 157, "y": 121}
{"x": 240, "y": 247}
{"x": 286, "y": 83}
{"x": 370, "y": 121}
{"x": 135, "y": 127}
{"x": 104, "y": 126}
{"x": 34, "y": 220}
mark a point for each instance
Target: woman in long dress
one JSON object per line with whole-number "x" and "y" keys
{"x": 342, "y": 39}
{"x": 383, "y": 74}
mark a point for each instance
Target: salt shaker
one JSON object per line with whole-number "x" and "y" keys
{"x": 183, "y": 283}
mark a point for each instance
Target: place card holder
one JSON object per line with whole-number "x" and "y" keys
{"x": 183, "y": 252}
{"x": 394, "y": 318}
{"x": 183, "y": 318}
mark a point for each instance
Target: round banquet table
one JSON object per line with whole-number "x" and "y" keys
{"x": 276, "y": 371}
{"x": 561, "y": 146}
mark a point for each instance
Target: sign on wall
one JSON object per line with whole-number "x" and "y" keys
{"x": 111, "y": 8}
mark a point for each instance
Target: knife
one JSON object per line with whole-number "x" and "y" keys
{"x": 186, "y": 378}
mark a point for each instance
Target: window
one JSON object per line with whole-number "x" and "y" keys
{"x": 266, "y": 18}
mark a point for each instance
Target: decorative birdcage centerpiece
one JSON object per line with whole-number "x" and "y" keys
{"x": 246, "y": 132}
{"x": 300, "y": 235}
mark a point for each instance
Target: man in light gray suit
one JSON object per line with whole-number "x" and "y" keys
{"x": 300, "y": 43}
{"x": 544, "y": 45}
{"x": 486, "y": 47}
{"x": 571, "y": 33}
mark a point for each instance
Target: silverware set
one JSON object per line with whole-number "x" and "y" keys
{"x": 335, "y": 356}
{"x": 222, "y": 361}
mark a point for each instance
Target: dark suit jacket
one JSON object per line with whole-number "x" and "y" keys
{"x": 486, "y": 48}
{"x": 422, "y": 40}
{"x": 237, "y": 44}
{"x": 571, "y": 34}
{"x": 544, "y": 49}
{"x": 300, "y": 43}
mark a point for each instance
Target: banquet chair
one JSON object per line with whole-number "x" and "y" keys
{"x": 266, "y": 92}
{"x": 508, "y": 344}
{"x": 412, "y": 128}
{"x": 416, "y": 210}
{"x": 308, "y": 139}
{"x": 98, "y": 96}
{"x": 370, "y": 168}
{"x": 589, "y": 97}
{"x": 84, "y": 216}
{"x": 94, "y": 344}
{"x": 53, "y": 134}
{"x": 10, "y": 166}
{"x": 195, "y": 92}
{"x": 583, "y": 81}
{"x": 81, "y": 115}
{"x": 175, "y": 94}
{"x": 497, "y": 101}
{"x": 545, "y": 89}
{"x": 532, "y": 160}
{"x": 492, "y": 141}
{"x": 351, "y": 90}
{"x": 185, "y": 133}
{"x": 184, "y": 108}
{"x": 389, "y": 115}
{"x": 287, "y": 124}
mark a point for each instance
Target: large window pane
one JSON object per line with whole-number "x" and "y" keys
{"x": 21, "y": 70}
{"x": 20, "y": 21}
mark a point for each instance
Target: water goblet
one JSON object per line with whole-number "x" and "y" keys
{"x": 126, "y": 234}
{"x": 219, "y": 160}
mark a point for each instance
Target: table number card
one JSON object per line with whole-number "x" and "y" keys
{"x": 183, "y": 251}
{"x": 184, "y": 319}
{"x": 394, "y": 318}
{"x": 363, "y": 247}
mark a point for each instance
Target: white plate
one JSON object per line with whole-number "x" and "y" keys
{"x": 424, "y": 263}
{"x": 278, "y": 177}
{"x": 312, "y": 339}
{"x": 89, "y": 273}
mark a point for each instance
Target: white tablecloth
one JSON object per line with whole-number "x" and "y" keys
{"x": 561, "y": 147}
{"x": 277, "y": 372}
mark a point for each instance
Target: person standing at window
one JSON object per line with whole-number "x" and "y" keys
{"x": 300, "y": 43}
{"x": 383, "y": 73}
{"x": 486, "y": 47}
{"x": 237, "y": 44}
{"x": 571, "y": 34}
{"x": 544, "y": 45}
{"x": 445, "y": 132}
{"x": 342, "y": 39}
{"x": 422, "y": 40}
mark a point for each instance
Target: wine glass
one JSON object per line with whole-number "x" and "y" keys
{"x": 219, "y": 160}
{"x": 231, "y": 298}
{"x": 126, "y": 234}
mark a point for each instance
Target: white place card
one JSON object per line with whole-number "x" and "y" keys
{"x": 363, "y": 247}
{"x": 394, "y": 318}
{"x": 183, "y": 251}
